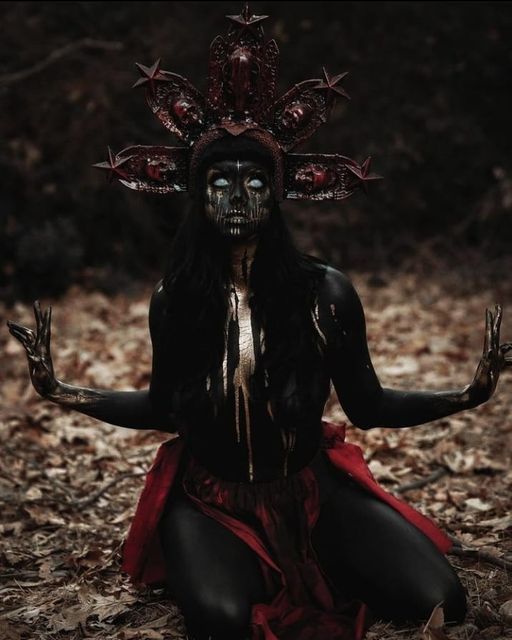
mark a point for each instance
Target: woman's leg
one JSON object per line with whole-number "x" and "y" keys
{"x": 370, "y": 552}
{"x": 213, "y": 575}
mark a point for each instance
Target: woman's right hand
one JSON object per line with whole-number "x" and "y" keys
{"x": 37, "y": 347}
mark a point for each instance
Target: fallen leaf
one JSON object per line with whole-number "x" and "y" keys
{"x": 43, "y": 515}
{"x": 479, "y": 505}
{"x": 104, "y": 606}
{"x": 68, "y": 619}
{"x": 497, "y": 524}
{"x": 459, "y": 462}
{"x": 382, "y": 471}
{"x": 505, "y": 611}
{"x": 433, "y": 630}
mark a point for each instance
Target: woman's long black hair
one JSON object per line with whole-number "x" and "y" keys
{"x": 283, "y": 282}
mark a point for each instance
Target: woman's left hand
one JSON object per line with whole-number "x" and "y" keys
{"x": 494, "y": 359}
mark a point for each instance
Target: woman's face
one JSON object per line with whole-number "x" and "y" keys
{"x": 238, "y": 197}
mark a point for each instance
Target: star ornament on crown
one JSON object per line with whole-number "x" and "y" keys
{"x": 240, "y": 100}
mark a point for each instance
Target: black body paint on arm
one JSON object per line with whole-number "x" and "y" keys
{"x": 366, "y": 403}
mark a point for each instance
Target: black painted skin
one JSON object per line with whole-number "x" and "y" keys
{"x": 341, "y": 320}
{"x": 366, "y": 403}
{"x": 359, "y": 541}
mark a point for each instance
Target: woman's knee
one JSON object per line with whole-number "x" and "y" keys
{"x": 422, "y": 598}
{"x": 211, "y": 616}
{"x": 454, "y": 601}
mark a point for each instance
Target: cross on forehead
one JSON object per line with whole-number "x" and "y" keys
{"x": 238, "y": 166}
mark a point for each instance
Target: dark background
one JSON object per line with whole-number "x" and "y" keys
{"x": 431, "y": 87}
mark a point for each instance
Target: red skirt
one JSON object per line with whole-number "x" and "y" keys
{"x": 282, "y": 515}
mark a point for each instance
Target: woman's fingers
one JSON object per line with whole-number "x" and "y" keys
{"x": 488, "y": 333}
{"x": 23, "y": 334}
{"x": 38, "y": 316}
{"x": 43, "y": 327}
{"x": 496, "y": 327}
{"x": 36, "y": 343}
{"x": 47, "y": 329}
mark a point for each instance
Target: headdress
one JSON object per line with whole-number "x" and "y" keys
{"x": 240, "y": 102}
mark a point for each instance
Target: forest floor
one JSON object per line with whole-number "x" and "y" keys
{"x": 69, "y": 485}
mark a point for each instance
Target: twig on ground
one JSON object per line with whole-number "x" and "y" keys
{"x": 88, "y": 501}
{"x": 421, "y": 482}
{"x": 459, "y": 549}
{"x": 14, "y": 574}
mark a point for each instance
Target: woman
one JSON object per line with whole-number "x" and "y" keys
{"x": 259, "y": 517}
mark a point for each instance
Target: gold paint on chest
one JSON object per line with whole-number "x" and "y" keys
{"x": 243, "y": 349}
{"x": 240, "y": 315}
{"x": 239, "y": 311}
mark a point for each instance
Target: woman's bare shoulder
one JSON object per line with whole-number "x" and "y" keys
{"x": 337, "y": 288}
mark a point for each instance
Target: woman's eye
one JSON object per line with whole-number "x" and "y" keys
{"x": 255, "y": 183}
{"x": 220, "y": 182}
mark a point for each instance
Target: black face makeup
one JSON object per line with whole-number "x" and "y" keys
{"x": 238, "y": 197}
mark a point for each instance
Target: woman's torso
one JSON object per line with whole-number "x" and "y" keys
{"x": 243, "y": 440}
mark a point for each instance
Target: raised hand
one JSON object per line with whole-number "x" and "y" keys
{"x": 37, "y": 347}
{"x": 494, "y": 359}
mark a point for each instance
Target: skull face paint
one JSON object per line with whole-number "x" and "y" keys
{"x": 238, "y": 197}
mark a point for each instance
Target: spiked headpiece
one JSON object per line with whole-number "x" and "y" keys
{"x": 240, "y": 102}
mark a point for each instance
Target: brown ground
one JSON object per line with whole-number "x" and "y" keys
{"x": 60, "y": 555}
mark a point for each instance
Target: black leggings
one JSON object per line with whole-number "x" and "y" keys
{"x": 367, "y": 550}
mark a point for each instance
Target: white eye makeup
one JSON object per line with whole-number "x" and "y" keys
{"x": 220, "y": 182}
{"x": 255, "y": 183}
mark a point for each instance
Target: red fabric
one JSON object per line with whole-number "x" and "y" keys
{"x": 282, "y": 515}
{"x": 304, "y": 607}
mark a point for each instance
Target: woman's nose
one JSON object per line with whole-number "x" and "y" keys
{"x": 238, "y": 194}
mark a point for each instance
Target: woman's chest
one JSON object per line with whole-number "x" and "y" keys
{"x": 244, "y": 342}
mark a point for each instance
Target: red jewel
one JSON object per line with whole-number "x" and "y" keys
{"x": 314, "y": 178}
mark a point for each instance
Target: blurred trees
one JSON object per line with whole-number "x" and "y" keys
{"x": 431, "y": 102}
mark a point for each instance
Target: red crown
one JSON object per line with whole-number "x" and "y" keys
{"x": 240, "y": 101}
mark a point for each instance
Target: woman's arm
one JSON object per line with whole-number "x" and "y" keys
{"x": 366, "y": 403}
{"x": 131, "y": 409}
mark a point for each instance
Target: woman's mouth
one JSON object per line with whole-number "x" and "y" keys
{"x": 236, "y": 219}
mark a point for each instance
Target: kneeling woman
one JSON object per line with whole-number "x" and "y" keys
{"x": 259, "y": 517}
{"x": 263, "y": 522}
